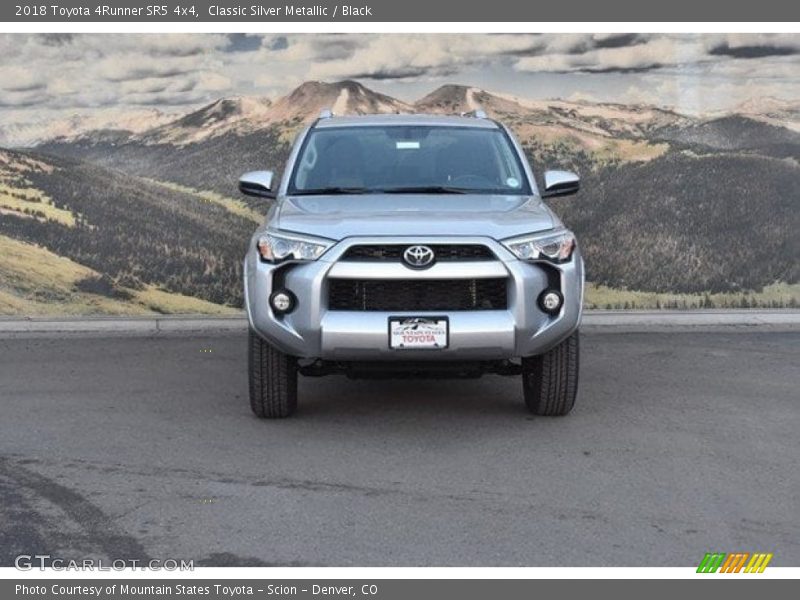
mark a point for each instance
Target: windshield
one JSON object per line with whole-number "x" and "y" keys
{"x": 408, "y": 159}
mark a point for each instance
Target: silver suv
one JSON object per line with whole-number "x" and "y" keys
{"x": 411, "y": 245}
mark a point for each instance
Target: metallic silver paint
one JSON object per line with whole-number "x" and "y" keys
{"x": 312, "y": 331}
{"x": 257, "y": 183}
{"x": 560, "y": 183}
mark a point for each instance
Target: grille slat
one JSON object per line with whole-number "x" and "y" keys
{"x": 394, "y": 252}
{"x": 417, "y": 294}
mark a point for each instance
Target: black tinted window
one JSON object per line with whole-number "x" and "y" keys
{"x": 398, "y": 158}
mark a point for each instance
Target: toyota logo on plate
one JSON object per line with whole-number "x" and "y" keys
{"x": 418, "y": 257}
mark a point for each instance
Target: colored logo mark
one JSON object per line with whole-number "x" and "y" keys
{"x": 736, "y": 562}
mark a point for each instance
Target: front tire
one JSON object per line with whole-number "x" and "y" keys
{"x": 550, "y": 380}
{"x": 273, "y": 380}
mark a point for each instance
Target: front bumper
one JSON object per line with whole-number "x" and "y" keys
{"x": 313, "y": 331}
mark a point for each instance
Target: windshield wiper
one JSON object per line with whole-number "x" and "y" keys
{"x": 425, "y": 189}
{"x": 420, "y": 189}
{"x": 331, "y": 191}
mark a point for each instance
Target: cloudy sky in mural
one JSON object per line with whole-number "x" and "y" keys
{"x": 59, "y": 74}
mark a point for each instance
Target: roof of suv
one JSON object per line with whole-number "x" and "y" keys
{"x": 403, "y": 119}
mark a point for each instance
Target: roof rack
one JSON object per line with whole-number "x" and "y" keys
{"x": 478, "y": 113}
{"x": 325, "y": 113}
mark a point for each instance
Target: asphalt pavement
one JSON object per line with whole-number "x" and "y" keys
{"x": 139, "y": 447}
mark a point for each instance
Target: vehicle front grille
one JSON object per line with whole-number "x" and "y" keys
{"x": 443, "y": 252}
{"x": 417, "y": 294}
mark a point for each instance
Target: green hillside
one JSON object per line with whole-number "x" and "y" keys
{"x": 35, "y": 281}
{"x": 703, "y": 210}
{"x": 136, "y": 237}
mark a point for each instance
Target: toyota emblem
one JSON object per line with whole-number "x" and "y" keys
{"x": 418, "y": 257}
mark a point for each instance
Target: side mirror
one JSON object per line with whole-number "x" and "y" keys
{"x": 560, "y": 183}
{"x": 257, "y": 183}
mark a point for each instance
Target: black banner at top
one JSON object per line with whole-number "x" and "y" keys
{"x": 156, "y": 11}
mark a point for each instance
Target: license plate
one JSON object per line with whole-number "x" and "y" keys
{"x": 415, "y": 333}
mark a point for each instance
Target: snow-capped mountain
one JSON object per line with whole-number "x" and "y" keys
{"x": 243, "y": 115}
{"x": 602, "y": 119}
{"x": 240, "y": 114}
{"x": 343, "y": 98}
{"x": 655, "y": 180}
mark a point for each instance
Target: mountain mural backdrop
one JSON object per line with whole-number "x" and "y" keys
{"x": 139, "y": 212}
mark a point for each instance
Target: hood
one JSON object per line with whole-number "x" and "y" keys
{"x": 338, "y": 217}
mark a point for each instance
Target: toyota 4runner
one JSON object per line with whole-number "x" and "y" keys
{"x": 411, "y": 245}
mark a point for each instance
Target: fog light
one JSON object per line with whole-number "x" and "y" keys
{"x": 282, "y": 301}
{"x": 550, "y": 301}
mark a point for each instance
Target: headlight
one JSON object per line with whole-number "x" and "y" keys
{"x": 555, "y": 247}
{"x": 274, "y": 247}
